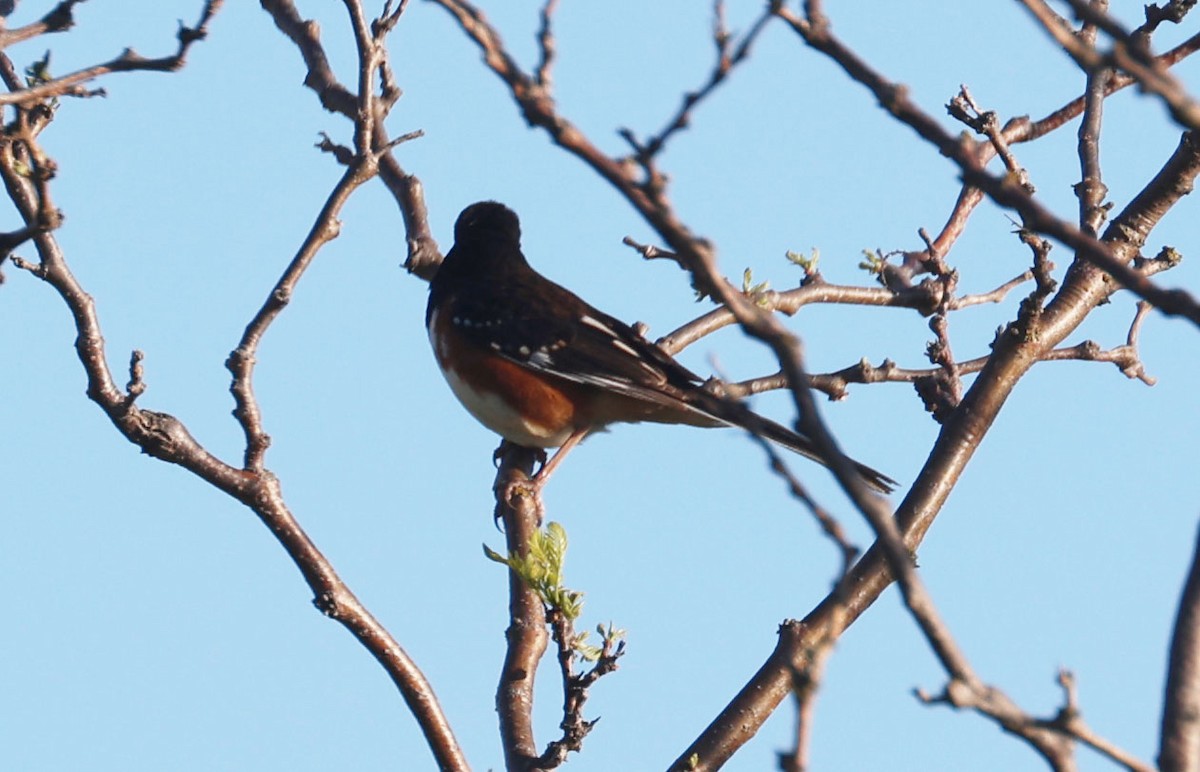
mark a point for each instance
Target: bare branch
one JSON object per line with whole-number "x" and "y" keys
{"x": 59, "y": 19}
{"x": 361, "y": 166}
{"x": 1024, "y": 130}
{"x": 1173, "y": 181}
{"x": 242, "y": 359}
{"x": 423, "y": 254}
{"x": 1125, "y": 54}
{"x": 1091, "y": 190}
{"x": 1179, "y": 750}
{"x": 371, "y": 154}
{"x": 1070, "y": 722}
{"x": 729, "y": 56}
{"x": 128, "y": 61}
{"x": 13, "y": 239}
{"x": 1115, "y": 83}
{"x": 546, "y": 44}
{"x": 828, "y": 523}
{"x": 306, "y": 36}
{"x": 26, "y": 173}
{"x": 964, "y": 108}
{"x": 806, "y": 683}
{"x": 962, "y": 431}
{"x": 575, "y": 686}
{"x": 1172, "y": 11}
{"x": 1125, "y": 357}
{"x": 1014, "y": 353}
{"x": 526, "y": 635}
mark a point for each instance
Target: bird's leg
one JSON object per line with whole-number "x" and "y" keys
{"x": 532, "y": 486}
{"x": 520, "y": 485}
{"x": 548, "y": 467}
{"x": 514, "y": 484}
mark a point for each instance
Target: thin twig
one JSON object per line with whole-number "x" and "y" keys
{"x": 1070, "y": 723}
{"x": 806, "y": 684}
{"x": 242, "y": 359}
{"x": 829, "y": 524}
{"x": 1091, "y": 189}
{"x": 576, "y": 687}
{"x": 960, "y": 435}
{"x": 128, "y": 60}
{"x": 728, "y": 57}
{"x": 1008, "y": 193}
{"x": 60, "y": 18}
{"x": 371, "y": 154}
{"x": 964, "y": 108}
{"x": 1025, "y": 130}
{"x": 1125, "y": 55}
{"x": 547, "y": 47}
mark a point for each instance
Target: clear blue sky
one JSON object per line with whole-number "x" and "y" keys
{"x": 154, "y": 624}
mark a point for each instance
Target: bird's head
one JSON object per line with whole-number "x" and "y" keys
{"x": 488, "y": 222}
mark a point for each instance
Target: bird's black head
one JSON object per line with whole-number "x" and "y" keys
{"x": 488, "y": 222}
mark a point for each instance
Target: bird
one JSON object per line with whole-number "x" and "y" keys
{"x": 541, "y": 367}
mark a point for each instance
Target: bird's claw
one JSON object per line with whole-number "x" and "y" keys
{"x": 517, "y": 492}
{"x": 502, "y": 448}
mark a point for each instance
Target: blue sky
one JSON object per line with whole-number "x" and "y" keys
{"x": 155, "y": 624}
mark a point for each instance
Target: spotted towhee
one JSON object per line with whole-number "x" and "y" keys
{"x": 540, "y": 367}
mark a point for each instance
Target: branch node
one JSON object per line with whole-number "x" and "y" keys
{"x": 344, "y": 155}
{"x": 136, "y": 386}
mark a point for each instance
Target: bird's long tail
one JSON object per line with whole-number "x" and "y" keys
{"x": 800, "y": 444}
{"x": 734, "y": 413}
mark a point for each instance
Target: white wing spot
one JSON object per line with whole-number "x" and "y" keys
{"x": 623, "y": 346}
{"x": 650, "y": 368}
{"x": 597, "y": 324}
{"x": 469, "y": 323}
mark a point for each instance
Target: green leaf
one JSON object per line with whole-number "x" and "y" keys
{"x": 491, "y": 554}
{"x": 873, "y": 261}
{"x": 542, "y": 569}
{"x": 38, "y": 72}
{"x": 749, "y": 287}
{"x": 807, "y": 262}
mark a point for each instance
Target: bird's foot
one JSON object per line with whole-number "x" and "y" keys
{"x": 539, "y": 454}
{"x": 518, "y": 492}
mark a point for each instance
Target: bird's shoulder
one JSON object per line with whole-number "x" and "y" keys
{"x": 530, "y": 319}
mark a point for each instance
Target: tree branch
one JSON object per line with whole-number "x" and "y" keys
{"x": 60, "y": 18}
{"x": 1022, "y": 344}
{"x": 961, "y": 432}
{"x": 26, "y": 172}
{"x": 729, "y": 56}
{"x": 526, "y": 635}
{"x": 1024, "y": 130}
{"x": 1179, "y": 749}
{"x": 1125, "y": 54}
{"x": 1007, "y": 193}
{"x": 128, "y": 61}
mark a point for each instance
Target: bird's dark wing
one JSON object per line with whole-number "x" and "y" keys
{"x": 551, "y": 330}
